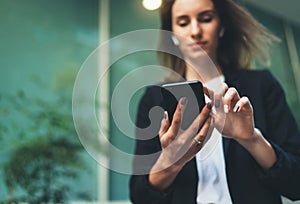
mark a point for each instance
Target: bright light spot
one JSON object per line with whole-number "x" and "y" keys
{"x": 151, "y": 4}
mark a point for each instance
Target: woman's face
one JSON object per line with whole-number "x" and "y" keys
{"x": 196, "y": 25}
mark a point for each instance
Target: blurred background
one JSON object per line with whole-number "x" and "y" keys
{"x": 43, "y": 44}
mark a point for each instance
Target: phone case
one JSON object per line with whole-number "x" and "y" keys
{"x": 192, "y": 90}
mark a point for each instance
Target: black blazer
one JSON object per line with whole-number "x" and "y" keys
{"x": 247, "y": 181}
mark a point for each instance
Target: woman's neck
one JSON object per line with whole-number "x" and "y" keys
{"x": 202, "y": 71}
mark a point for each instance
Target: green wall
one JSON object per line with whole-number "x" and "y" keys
{"x": 126, "y": 16}
{"x": 43, "y": 44}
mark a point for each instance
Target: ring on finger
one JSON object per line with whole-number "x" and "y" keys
{"x": 199, "y": 142}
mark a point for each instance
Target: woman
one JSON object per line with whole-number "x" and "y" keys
{"x": 258, "y": 160}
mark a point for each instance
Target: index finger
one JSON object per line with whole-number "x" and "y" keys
{"x": 218, "y": 96}
{"x": 177, "y": 117}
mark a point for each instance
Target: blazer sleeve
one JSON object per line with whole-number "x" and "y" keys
{"x": 283, "y": 134}
{"x": 141, "y": 192}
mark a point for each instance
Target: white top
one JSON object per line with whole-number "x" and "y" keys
{"x": 212, "y": 185}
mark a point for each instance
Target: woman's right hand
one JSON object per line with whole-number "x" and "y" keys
{"x": 178, "y": 146}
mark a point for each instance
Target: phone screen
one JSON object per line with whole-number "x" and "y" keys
{"x": 192, "y": 90}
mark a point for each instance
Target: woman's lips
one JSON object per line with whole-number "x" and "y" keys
{"x": 197, "y": 45}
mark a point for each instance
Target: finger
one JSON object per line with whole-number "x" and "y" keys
{"x": 201, "y": 136}
{"x": 230, "y": 99}
{"x": 177, "y": 118}
{"x": 208, "y": 92}
{"x": 243, "y": 103}
{"x": 164, "y": 125}
{"x": 200, "y": 120}
{"x": 218, "y": 104}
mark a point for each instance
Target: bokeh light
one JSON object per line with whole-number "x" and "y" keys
{"x": 152, "y": 4}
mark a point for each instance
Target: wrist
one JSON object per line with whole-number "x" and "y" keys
{"x": 163, "y": 164}
{"x": 161, "y": 176}
{"x": 249, "y": 142}
{"x": 261, "y": 150}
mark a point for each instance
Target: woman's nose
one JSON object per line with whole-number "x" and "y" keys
{"x": 196, "y": 30}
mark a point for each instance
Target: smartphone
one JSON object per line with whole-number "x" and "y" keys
{"x": 192, "y": 90}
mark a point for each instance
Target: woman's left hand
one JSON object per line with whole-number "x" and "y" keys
{"x": 233, "y": 115}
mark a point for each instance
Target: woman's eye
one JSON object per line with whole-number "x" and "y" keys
{"x": 206, "y": 19}
{"x": 182, "y": 23}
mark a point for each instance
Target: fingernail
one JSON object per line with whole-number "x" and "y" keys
{"x": 226, "y": 108}
{"x": 183, "y": 100}
{"x": 217, "y": 103}
{"x": 165, "y": 115}
{"x": 209, "y": 106}
{"x": 236, "y": 109}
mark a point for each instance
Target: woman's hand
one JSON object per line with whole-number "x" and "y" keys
{"x": 233, "y": 115}
{"x": 182, "y": 145}
{"x": 178, "y": 146}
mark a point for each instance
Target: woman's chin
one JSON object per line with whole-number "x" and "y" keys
{"x": 199, "y": 55}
